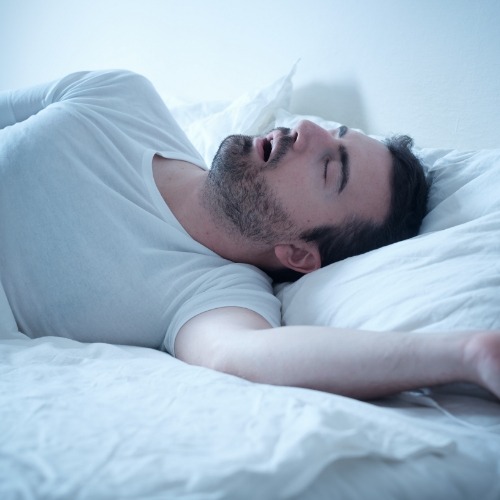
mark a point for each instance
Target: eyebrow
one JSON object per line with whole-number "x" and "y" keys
{"x": 344, "y": 161}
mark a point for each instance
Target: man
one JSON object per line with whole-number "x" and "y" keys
{"x": 113, "y": 230}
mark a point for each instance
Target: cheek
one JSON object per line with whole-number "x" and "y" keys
{"x": 306, "y": 204}
{"x": 303, "y": 208}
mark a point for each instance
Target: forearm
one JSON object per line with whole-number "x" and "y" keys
{"x": 354, "y": 363}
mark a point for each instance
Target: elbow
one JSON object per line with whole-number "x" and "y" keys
{"x": 229, "y": 360}
{"x": 238, "y": 353}
{"x": 219, "y": 357}
{"x": 209, "y": 353}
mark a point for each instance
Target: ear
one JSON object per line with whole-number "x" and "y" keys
{"x": 302, "y": 257}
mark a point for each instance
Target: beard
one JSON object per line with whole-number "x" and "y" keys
{"x": 239, "y": 197}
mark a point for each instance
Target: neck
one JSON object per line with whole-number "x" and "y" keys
{"x": 181, "y": 185}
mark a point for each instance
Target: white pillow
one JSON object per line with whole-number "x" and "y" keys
{"x": 207, "y": 124}
{"x": 446, "y": 278}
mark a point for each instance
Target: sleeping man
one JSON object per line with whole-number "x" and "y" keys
{"x": 112, "y": 229}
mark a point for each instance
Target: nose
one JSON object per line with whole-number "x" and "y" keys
{"x": 308, "y": 134}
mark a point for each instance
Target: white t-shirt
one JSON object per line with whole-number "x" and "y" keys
{"x": 88, "y": 248}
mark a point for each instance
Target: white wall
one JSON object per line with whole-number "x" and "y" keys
{"x": 429, "y": 67}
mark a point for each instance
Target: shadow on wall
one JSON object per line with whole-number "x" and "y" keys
{"x": 340, "y": 103}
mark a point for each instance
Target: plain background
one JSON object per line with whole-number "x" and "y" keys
{"x": 430, "y": 68}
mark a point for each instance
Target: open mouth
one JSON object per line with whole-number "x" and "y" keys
{"x": 267, "y": 147}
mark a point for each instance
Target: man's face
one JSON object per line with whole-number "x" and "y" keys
{"x": 277, "y": 186}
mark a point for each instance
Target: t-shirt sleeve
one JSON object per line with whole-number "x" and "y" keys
{"x": 232, "y": 285}
{"x": 18, "y": 105}
{"x": 87, "y": 87}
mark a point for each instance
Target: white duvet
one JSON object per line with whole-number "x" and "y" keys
{"x": 108, "y": 422}
{"x": 98, "y": 421}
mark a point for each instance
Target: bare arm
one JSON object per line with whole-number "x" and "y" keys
{"x": 361, "y": 364}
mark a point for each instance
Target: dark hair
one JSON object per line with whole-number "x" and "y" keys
{"x": 409, "y": 193}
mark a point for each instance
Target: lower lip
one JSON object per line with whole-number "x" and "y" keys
{"x": 259, "y": 146}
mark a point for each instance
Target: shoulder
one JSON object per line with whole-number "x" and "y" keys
{"x": 105, "y": 85}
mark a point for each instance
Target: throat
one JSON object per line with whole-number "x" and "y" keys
{"x": 182, "y": 186}
{"x": 179, "y": 183}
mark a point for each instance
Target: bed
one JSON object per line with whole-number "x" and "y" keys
{"x": 99, "y": 421}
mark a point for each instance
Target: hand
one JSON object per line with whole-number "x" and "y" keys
{"x": 482, "y": 356}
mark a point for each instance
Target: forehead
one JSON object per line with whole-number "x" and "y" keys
{"x": 367, "y": 153}
{"x": 369, "y": 145}
{"x": 371, "y": 168}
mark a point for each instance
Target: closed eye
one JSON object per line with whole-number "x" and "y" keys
{"x": 325, "y": 173}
